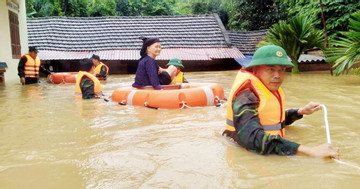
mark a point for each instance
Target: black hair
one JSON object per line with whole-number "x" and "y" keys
{"x": 85, "y": 64}
{"x": 147, "y": 42}
{"x": 95, "y": 57}
{"x": 33, "y": 49}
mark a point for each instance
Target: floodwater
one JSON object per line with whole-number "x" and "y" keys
{"x": 48, "y": 139}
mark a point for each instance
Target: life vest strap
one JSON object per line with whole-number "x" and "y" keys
{"x": 229, "y": 122}
{"x": 265, "y": 127}
{"x": 274, "y": 127}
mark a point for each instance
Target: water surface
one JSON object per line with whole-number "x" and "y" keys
{"x": 48, "y": 139}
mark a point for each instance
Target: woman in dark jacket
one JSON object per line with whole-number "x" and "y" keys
{"x": 149, "y": 72}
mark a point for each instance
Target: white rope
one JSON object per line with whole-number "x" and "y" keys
{"x": 326, "y": 124}
{"x": 184, "y": 105}
{"x": 218, "y": 100}
{"x": 329, "y": 140}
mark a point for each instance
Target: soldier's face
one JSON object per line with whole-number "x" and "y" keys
{"x": 271, "y": 76}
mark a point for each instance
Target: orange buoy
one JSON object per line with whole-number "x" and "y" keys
{"x": 62, "y": 77}
{"x": 172, "y": 97}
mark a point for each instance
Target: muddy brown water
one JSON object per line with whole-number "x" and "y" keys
{"x": 48, "y": 139}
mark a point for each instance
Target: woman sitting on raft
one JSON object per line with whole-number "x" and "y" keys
{"x": 149, "y": 72}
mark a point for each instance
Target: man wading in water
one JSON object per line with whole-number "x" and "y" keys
{"x": 256, "y": 115}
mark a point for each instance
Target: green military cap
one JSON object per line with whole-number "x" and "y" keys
{"x": 175, "y": 62}
{"x": 270, "y": 55}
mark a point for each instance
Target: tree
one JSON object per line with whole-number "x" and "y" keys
{"x": 47, "y": 8}
{"x": 295, "y": 36}
{"x": 345, "y": 50}
{"x": 122, "y": 8}
{"x": 158, "y": 7}
{"x": 336, "y": 12}
{"x": 30, "y": 10}
{"x": 74, "y": 8}
{"x": 323, "y": 20}
{"x": 247, "y": 15}
{"x": 101, "y": 8}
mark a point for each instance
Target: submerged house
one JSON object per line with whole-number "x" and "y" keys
{"x": 200, "y": 41}
{"x": 311, "y": 60}
{"x": 246, "y": 42}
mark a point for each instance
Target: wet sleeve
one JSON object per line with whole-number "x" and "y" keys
{"x": 21, "y": 67}
{"x": 102, "y": 72}
{"x": 250, "y": 133}
{"x": 87, "y": 88}
{"x": 44, "y": 70}
{"x": 152, "y": 72}
{"x": 291, "y": 115}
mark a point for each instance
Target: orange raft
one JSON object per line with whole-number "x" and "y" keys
{"x": 62, "y": 77}
{"x": 172, "y": 97}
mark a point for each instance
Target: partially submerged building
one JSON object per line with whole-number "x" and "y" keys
{"x": 246, "y": 42}
{"x": 200, "y": 41}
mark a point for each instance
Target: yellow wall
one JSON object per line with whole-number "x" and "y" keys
{"x": 5, "y": 39}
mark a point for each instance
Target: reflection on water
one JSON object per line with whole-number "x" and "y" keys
{"x": 48, "y": 139}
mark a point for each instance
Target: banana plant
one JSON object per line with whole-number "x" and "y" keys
{"x": 295, "y": 36}
{"x": 345, "y": 49}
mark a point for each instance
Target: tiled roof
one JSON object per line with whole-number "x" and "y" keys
{"x": 166, "y": 54}
{"x": 111, "y": 33}
{"x": 246, "y": 41}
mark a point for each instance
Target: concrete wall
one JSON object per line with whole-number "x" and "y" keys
{"x": 5, "y": 52}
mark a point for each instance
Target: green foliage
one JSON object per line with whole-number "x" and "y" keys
{"x": 158, "y": 7}
{"x": 336, "y": 12}
{"x": 294, "y": 36}
{"x": 345, "y": 50}
{"x": 74, "y": 8}
{"x": 101, "y": 8}
{"x": 30, "y": 10}
{"x": 122, "y": 8}
{"x": 254, "y": 15}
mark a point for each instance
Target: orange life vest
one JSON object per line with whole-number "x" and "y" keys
{"x": 179, "y": 78}
{"x": 97, "y": 70}
{"x": 271, "y": 109}
{"x": 32, "y": 66}
{"x": 97, "y": 85}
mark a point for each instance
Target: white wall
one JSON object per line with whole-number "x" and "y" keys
{"x": 5, "y": 39}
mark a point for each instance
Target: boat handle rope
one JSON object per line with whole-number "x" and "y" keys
{"x": 123, "y": 102}
{"x": 329, "y": 140}
{"x": 184, "y": 105}
{"x": 220, "y": 102}
{"x": 147, "y": 105}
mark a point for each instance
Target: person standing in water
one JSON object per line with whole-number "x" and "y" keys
{"x": 256, "y": 115}
{"x": 101, "y": 70}
{"x": 29, "y": 67}
{"x": 87, "y": 85}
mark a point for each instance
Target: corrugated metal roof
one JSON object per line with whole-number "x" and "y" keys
{"x": 307, "y": 58}
{"x": 166, "y": 54}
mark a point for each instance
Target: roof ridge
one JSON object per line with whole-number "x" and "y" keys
{"x": 102, "y": 17}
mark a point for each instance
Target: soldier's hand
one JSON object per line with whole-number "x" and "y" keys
{"x": 22, "y": 80}
{"x": 322, "y": 151}
{"x": 309, "y": 108}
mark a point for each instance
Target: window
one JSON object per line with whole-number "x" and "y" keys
{"x": 15, "y": 36}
